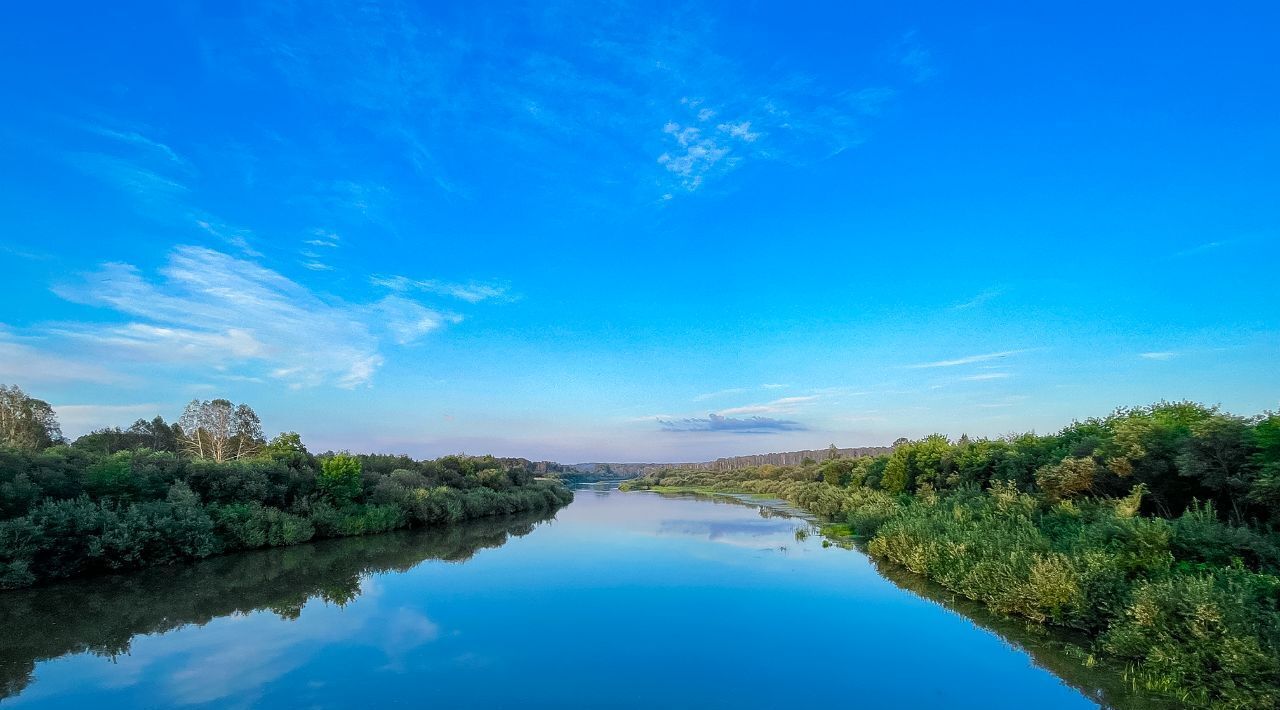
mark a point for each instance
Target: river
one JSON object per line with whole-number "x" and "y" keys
{"x": 619, "y": 600}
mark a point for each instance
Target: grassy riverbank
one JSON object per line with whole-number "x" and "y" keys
{"x": 1151, "y": 533}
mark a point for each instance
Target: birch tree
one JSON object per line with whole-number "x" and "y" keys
{"x": 219, "y": 430}
{"x": 25, "y": 422}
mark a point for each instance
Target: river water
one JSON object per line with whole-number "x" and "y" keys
{"x": 620, "y": 600}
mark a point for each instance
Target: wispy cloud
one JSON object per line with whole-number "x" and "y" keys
{"x": 237, "y": 237}
{"x": 784, "y": 405}
{"x": 693, "y": 156}
{"x": 979, "y": 299}
{"x": 156, "y": 178}
{"x": 1158, "y": 355}
{"x": 969, "y": 360}
{"x": 1202, "y": 248}
{"x": 225, "y": 313}
{"x": 323, "y": 238}
{"x": 915, "y": 58}
{"x": 137, "y": 140}
{"x": 987, "y": 376}
{"x": 471, "y": 292}
{"x": 774, "y": 386}
{"x": 145, "y": 184}
{"x": 25, "y": 253}
{"x": 718, "y": 423}
{"x": 602, "y": 93}
{"x": 409, "y": 320}
{"x": 719, "y": 393}
{"x": 312, "y": 259}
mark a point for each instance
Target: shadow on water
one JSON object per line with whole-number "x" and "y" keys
{"x": 102, "y": 615}
{"x": 1054, "y": 650}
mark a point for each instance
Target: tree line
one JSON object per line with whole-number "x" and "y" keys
{"x": 158, "y": 493}
{"x": 1154, "y": 531}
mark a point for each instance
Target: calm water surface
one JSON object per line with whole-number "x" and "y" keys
{"x": 622, "y": 600}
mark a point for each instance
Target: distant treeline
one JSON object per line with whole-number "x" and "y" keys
{"x": 158, "y": 493}
{"x": 1154, "y": 531}
{"x": 788, "y": 458}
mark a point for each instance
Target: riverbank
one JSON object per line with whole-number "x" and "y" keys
{"x": 1184, "y": 607}
{"x": 1059, "y": 651}
{"x": 713, "y": 591}
{"x": 74, "y": 513}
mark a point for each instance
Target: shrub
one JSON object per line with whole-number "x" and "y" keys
{"x": 1066, "y": 478}
{"x": 339, "y": 479}
{"x": 1209, "y": 638}
{"x": 1200, "y": 536}
{"x": 252, "y": 525}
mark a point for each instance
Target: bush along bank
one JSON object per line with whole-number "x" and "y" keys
{"x": 1152, "y": 532}
{"x": 69, "y": 512}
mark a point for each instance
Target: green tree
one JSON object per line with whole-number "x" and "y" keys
{"x": 897, "y": 471}
{"x": 26, "y": 423}
{"x": 340, "y": 478}
{"x": 1217, "y": 455}
{"x": 285, "y": 446}
{"x": 1066, "y": 478}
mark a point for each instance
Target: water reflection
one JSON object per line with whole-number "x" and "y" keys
{"x": 629, "y": 600}
{"x": 1056, "y": 651}
{"x": 102, "y": 616}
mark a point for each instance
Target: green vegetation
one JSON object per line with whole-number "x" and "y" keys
{"x": 1153, "y": 532}
{"x": 158, "y": 493}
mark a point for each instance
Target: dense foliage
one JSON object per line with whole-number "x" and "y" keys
{"x": 120, "y": 499}
{"x": 1152, "y": 531}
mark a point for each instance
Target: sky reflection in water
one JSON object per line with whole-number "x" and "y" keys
{"x": 623, "y": 600}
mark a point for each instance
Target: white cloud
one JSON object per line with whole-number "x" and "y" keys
{"x": 138, "y": 140}
{"x": 1158, "y": 356}
{"x": 741, "y": 130}
{"x": 694, "y": 156}
{"x": 589, "y": 89}
{"x": 148, "y": 185}
{"x": 720, "y": 393}
{"x": 472, "y": 292}
{"x": 968, "y": 360}
{"x": 324, "y": 238}
{"x": 237, "y": 237}
{"x": 1202, "y": 248}
{"x": 409, "y": 320}
{"x": 224, "y": 312}
{"x": 987, "y": 376}
{"x": 979, "y": 299}
{"x": 785, "y": 405}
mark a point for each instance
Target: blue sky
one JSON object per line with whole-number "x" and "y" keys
{"x": 639, "y": 232}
